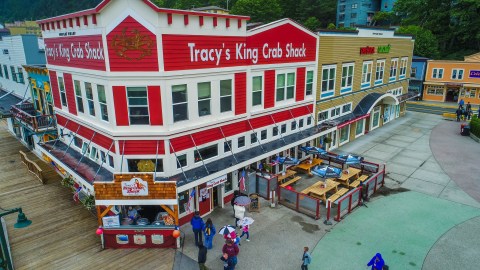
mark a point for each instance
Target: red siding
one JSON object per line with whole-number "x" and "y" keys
{"x": 300, "y": 95}
{"x": 207, "y": 136}
{"x": 77, "y": 21}
{"x": 185, "y": 19}
{"x": 141, "y": 59}
{"x": 181, "y": 143}
{"x": 141, "y": 147}
{"x": 55, "y": 90}
{"x": 239, "y": 23}
{"x": 240, "y": 93}
{"x": 94, "y": 18}
{"x": 235, "y": 128}
{"x": 269, "y": 86}
{"x": 72, "y": 106}
{"x": 87, "y": 133}
{"x": 169, "y": 18}
{"x": 227, "y": 22}
{"x": 282, "y": 116}
{"x": 120, "y": 104}
{"x": 155, "y": 105}
{"x": 200, "y": 20}
{"x": 215, "y": 22}
{"x": 64, "y": 23}
{"x": 85, "y": 20}
{"x": 261, "y": 121}
{"x": 70, "y": 22}
{"x": 58, "y": 25}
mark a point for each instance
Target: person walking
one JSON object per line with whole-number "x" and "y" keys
{"x": 376, "y": 262}
{"x": 306, "y": 259}
{"x": 245, "y": 231}
{"x": 461, "y": 102}
{"x": 197, "y": 226}
{"x": 232, "y": 250}
{"x": 202, "y": 256}
{"x": 227, "y": 263}
{"x": 468, "y": 109}
{"x": 209, "y": 231}
{"x": 458, "y": 112}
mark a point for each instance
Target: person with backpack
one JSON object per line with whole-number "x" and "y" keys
{"x": 197, "y": 226}
{"x": 209, "y": 231}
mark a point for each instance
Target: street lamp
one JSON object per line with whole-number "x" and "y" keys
{"x": 22, "y": 222}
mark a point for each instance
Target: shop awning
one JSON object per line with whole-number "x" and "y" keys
{"x": 471, "y": 85}
{"x": 434, "y": 83}
{"x": 7, "y": 100}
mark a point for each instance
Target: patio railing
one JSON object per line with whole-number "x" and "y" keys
{"x": 299, "y": 202}
{"x": 25, "y": 113}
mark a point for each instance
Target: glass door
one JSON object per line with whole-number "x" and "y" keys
{"x": 375, "y": 118}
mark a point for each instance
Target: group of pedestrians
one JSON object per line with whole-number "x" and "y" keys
{"x": 463, "y": 113}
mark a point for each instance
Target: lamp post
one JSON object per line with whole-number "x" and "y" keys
{"x": 22, "y": 222}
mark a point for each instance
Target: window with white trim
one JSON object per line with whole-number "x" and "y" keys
{"x": 180, "y": 102}
{"x": 204, "y": 97}
{"x": 89, "y": 95}
{"x": 393, "y": 69}
{"x": 437, "y": 73}
{"x": 335, "y": 112}
{"x": 102, "y": 99}
{"x": 322, "y": 116}
{"x": 285, "y": 86}
{"x": 346, "y": 108}
{"x": 263, "y": 135}
{"x": 20, "y": 75}
{"x": 366, "y": 74}
{"x": 138, "y": 105}
{"x": 63, "y": 94}
{"x": 275, "y": 131}
{"x": 403, "y": 67}
{"x": 457, "y": 74}
{"x": 309, "y": 83}
{"x": 347, "y": 77}
{"x": 181, "y": 161}
{"x": 283, "y": 128}
{"x": 206, "y": 153}
{"x": 257, "y": 89}
{"x": 225, "y": 96}
{"x": 328, "y": 78}
{"x": 241, "y": 142}
{"x": 379, "y": 71}
{"x": 78, "y": 95}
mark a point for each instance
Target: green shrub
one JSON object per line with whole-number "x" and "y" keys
{"x": 475, "y": 126}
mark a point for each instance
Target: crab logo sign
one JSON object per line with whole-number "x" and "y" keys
{"x": 135, "y": 187}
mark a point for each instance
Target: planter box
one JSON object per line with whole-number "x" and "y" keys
{"x": 475, "y": 138}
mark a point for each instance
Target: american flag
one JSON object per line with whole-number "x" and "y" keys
{"x": 190, "y": 202}
{"x": 242, "y": 181}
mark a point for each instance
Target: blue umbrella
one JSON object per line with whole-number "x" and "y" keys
{"x": 313, "y": 150}
{"x": 327, "y": 171}
{"x": 350, "y": 159}
{"x": 288, "y": 160}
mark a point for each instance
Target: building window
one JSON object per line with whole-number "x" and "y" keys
{"x": 180, "y": 102}
{"x": 366, "y": 74}
{"x": 275, "y": 131}
{"x": 437, "y": 73}
{"x": 1, "y": 71}
{"x": 85, "y": 149}
{"x": 183, "y": 198}
{"x": 300, "y": 123}
{"x": 145, "y": 165}
{"x": 328, "y": 78}
{"x": 346, "y": 108}
{"x": 322, "y": 116}
{"x": 181, "y": 161}
{"x": 229, "y": 183}
{"x": 293, "y": 125}
{"x": 347, "y": 78}
{"x": 14, "y": 75}
{"x": 102, "y": 99}
{"x": 359, "y": 127}
{"x": 335, "y": 112}
{"x": 309, "y": 121}
{"x": 138, "y": 105}
{"x": 285, "y": 88}
{"x": 379, "y": 72}
{"x": 413, "y": 74}
{"x": 206, "y": 153}
{"x": 253, "y": 138}
{"x": 89, "y": 95}
{"x": 435, "y": 90}
{"x": 342, "y": 8}
{"x": 403, "y": 68}
{"x": 457, "y": 74}
{"x": 78, "y": 95}
{"x": 78, "y": 142}
{"x": 263, "y": 135}
{"x": 283, "y": 128}
{"x": 5, "y": 69}
{"x": 341, "y": 17}
{"x": 309, "y": 83}
{"x": 473, "y": 93}
{"x": 393, "y": 69}
{"x": 241, "y": 142}
{"x": 20, "y": 76}
{"x": 93, "y": 153}
{"x": 63, "y": 95}
{"x": 204, "y": 97}
{"x": 353, "y": 15}
{"x": 103, "y": 157}
{"x": 227, "y": 146}
{"x": 225, "y": 96}
{"x": 354, "y": 6}
{"x": 344, "y": 134}
{"x": 257, "y": 88}
{"x": 111, "y": 162}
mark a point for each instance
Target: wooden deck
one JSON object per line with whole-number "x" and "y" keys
{"x": 62, "y": 235}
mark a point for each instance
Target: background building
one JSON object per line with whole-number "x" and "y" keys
{"x": 24, "y": 28}
{"x": 363, "y": 81}
{"x": 417, "y": 75}
{"x": 212, "y": 9}
{"x": 351, "y": 13}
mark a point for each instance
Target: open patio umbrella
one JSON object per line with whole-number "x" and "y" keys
{"x": 242, "y": 200}
{"x": 350, "y": 159}
{"x": 226, "y": 230}
{"x": 327, "y": 171}
{"x": 288, "y": 160}
{"x": 313, "y": 150}
{"x": 245, "y": 221}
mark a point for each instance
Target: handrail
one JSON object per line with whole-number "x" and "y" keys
{"x": 32, "y": 167}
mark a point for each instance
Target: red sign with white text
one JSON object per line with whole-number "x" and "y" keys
{"x": 282, "y": 44}
{"x": 79, "y": 52}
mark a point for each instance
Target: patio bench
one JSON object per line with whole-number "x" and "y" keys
{"x": 341, "y": 192}
{"x": 363, "y": 177}
{"x": 334, "y": 197}
{"x": 291, "y": 181}
{"x": 355, "y": 184}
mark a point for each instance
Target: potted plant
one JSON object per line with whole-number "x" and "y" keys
{"x": 89, "y": 202}
{"x": 327, "y": 140}
{"x": 67, "y": 182}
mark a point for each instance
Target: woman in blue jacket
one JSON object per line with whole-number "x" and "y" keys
{"x": 209, "y": 232}
{"x": 377, "y": 262}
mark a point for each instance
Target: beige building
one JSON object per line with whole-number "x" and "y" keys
{"x": 212, "y": 9}
{"x": 362, "y": 81}
{"x": 24, "y": 27}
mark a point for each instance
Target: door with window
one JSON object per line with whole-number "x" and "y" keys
{"x": 334, "y": 140}
{"x": 375, "y": 118}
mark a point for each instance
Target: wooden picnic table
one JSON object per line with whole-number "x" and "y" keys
{"x": 353, "y": 173}
{"x": 319, "y": 191}
{"x": 307, "y": 166}
{"x": 288, "y": 173}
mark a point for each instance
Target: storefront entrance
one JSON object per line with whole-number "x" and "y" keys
{"x": 375, "y": 118}
{"x": 452, "y": 94}
{"x": 217, "y": 191}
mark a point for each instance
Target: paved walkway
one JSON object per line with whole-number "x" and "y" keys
{"x": 421, "y": 219}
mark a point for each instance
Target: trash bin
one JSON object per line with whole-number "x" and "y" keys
{"x": 466, "y": 131}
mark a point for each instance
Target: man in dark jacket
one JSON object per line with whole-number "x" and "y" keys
{"x": 197, "y": 226}
{"x": 202, "y": 256}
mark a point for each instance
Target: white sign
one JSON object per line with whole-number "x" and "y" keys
{"x": 135, "y": 187}
{"x": 111, "y": 222}
{"x": 217, "y": 181}
{"x": 157, "y": 239}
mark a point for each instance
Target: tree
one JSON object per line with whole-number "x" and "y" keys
{"x": 259, "y": 10}
{"x": 312, "y": 23}
{"x": 426, "y": 44}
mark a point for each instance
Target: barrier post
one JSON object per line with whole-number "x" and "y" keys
{"x": 329, "y": 206}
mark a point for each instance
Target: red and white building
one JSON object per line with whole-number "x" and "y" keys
{"x": 195, "y": 93}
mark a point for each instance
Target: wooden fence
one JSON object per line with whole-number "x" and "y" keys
{"x": 33, "y": 167}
